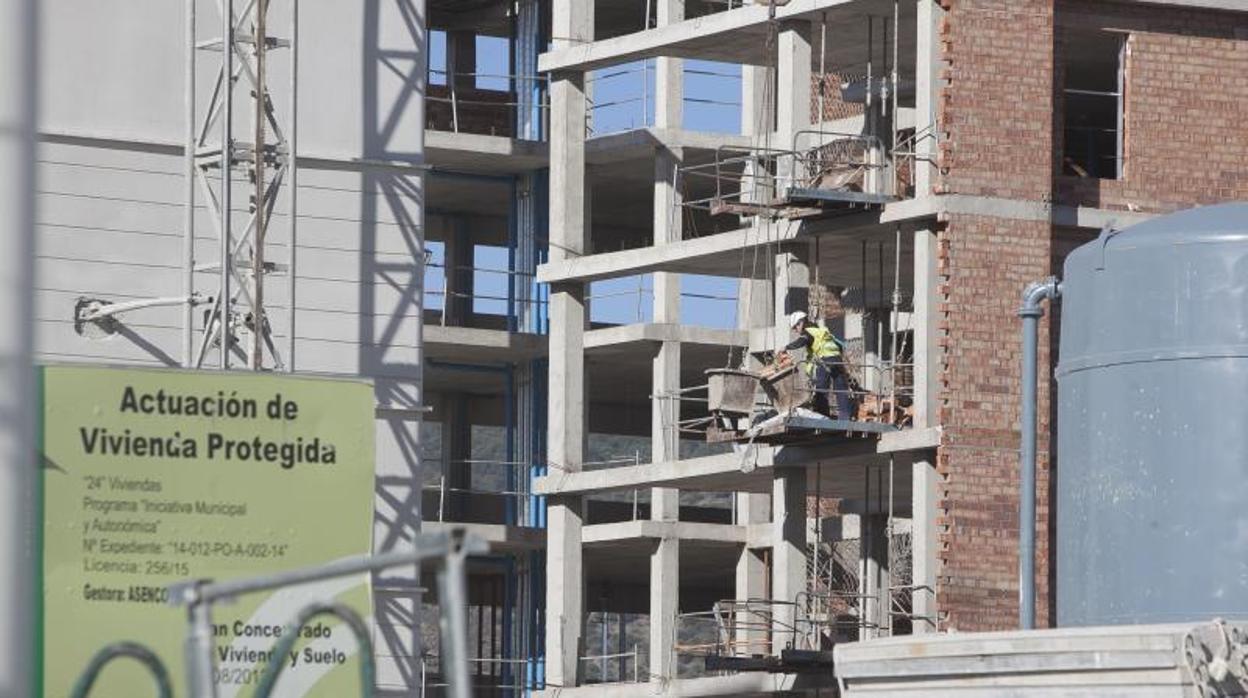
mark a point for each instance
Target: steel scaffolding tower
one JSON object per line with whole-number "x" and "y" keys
{"x": 219, "y": 165}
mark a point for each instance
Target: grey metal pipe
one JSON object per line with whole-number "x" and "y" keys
{"x": 19, "y": 480}
{"x": 227, "y": 163}
{"x": 453, "y": 603}
{"x": 200, "y": 682}
{"x": 188, "y": 204}
{"x": 1031, "y": 312}
{"x": 292, "y": 185}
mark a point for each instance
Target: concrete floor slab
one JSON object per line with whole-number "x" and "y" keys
{"x": 737, "y": 36}
{"x": 472, "y": 345}
{"x": 502, "y": 539}
{"x": 492, "y": 155}
{"x": 836, "y": 469}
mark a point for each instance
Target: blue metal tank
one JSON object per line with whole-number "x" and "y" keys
{"x": 1152, "y": 468}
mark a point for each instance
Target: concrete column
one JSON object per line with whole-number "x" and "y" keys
{"x": 751, "y": 572}
{"x": 665, "y": 503}
{"x": 565, "y": 591}
{"x": 18, "y": 469}
{"x": 461, "y": 59}
{"x": 792, "y": 284}
{"x": 793, "y": 90}
{"x": 873, "y": 576}
{"x": 788, "y": 559}
{"x": 757, "y": 115}
{"x": 927, "y": 91}
{"x": 925, "y": 540}
{"x": 924, "y": 322}
{"x": 666, "y": 374}
{"x": 572, "y": 24}
{"x": 758, "y": 118}
{"x": 754, "y": 297}
{"x": 664, "y": 604}
{"x": 669, "y": 93}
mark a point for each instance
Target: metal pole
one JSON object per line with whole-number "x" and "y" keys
{"x": 603, "y": 661}
{"x": 1031, "y": 312}
{"x": 896, "y": 86}
{"x": 259, "y": 99}
{"x": 896, "y": 320}
{"x": 188, "y": 230}
{"x": 292, "y": 183}
{"x": 227, "y": 157}
{"x": 454, "y": 610}
{"x": 888, "y": 533}
{"x": 199, "y": 643}
{"x": 18, "y": 479}
{"x": 823, "y": 69}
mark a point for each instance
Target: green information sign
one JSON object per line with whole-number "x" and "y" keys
{"x": 153, "y": 476}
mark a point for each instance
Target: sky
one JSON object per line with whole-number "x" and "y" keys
{"x": 623, "y": 98}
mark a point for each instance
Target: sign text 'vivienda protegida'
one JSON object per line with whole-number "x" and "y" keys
{"x": 100, "y": 441}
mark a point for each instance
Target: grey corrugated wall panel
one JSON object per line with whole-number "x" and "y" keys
{"x": 1152, "y": 469}
{"x": 116, "y": 69}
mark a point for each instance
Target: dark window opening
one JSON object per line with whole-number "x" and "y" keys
{"x": 1093, "y": 104}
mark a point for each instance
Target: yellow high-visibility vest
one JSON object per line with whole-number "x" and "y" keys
{"x": 824, "y": 345}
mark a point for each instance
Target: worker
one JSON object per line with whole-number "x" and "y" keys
{"x": 824, "y": 363}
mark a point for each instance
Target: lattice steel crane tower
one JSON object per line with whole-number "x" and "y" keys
{"x": 240, "y": 143}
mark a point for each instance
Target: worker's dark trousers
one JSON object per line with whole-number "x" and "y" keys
{"x": 830, "y": 375}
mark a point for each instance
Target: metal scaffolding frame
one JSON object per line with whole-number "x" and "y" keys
{"x": 218, "y": 164}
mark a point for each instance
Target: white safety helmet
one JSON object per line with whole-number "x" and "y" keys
{"x": 796, "y": 318}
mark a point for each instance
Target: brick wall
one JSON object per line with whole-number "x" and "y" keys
{"x": 1186, "y": 98}
{"x": 996, "y": 111}
{"x": 996, "y": 119}
{"x": 985, "y": 263}
{"x": 833, "y": 106}
{"x": 1000, "y": 119}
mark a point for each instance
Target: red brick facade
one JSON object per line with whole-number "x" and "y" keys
{"x": 1186, "y": 94}
{"x": 996, "y": 120}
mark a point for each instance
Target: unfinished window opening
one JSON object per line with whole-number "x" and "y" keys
{"x": 1093, "y": 70}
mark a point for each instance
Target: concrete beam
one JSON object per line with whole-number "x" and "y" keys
{"x": 683, "y": 256}
{"x": 640, "y": 143}
{"x": 730, "y": 36}
{"x": 609, "y": 337}
{"x": 600, "y": 534}
{"x": 720, "y": 254}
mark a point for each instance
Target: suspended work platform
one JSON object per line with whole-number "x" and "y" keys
{"x": 769, "y": 407}
{"x": 821, "y": 174}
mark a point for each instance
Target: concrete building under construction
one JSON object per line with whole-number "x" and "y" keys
{"x": 458, "y": 200}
